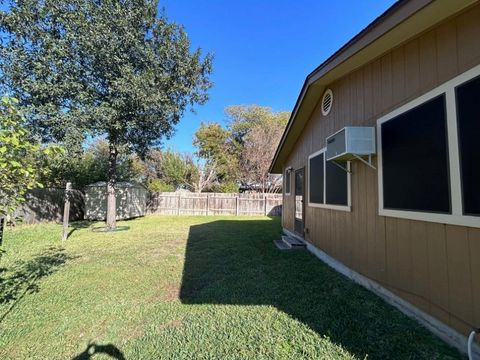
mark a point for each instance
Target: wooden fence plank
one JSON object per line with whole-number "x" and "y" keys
{"x": 215, "y": 204}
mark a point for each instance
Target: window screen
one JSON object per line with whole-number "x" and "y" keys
{"x": 468, "y": 118}
{"x": 415, "y": 159}
{"x": 336, "y": 185}
{"x": 287, "y": 182}
{"x": 315, "y": 181}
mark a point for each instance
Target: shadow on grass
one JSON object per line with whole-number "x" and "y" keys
{"x": 235, "y": 262}
{"x": 106, "y": 229}
{"x": 109, "y": 349}
{"x": 77, "y": 225}
{"x": 23, "y": 277}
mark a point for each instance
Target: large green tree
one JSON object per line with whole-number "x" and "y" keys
{"x": 114, "y": 68}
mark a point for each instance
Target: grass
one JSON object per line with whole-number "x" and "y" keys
{"x": 189, "y": 288}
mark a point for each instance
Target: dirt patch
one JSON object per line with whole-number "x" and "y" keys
{"x": 103, "y": 329}
{"x": 173, "y": 324}
{"x": 135, "y": 332}
{"x": 97, "y": 331}
{"x": 171, "y": 292}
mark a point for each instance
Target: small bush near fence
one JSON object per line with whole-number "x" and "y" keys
{"x": 170, "y": 203}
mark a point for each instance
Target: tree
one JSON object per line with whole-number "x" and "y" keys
{"x": 242, "y": 119}
{"x": 257, "y": 130}
{"x": 110, "y": 68}
{"x": 17, "y": 157}
{"x": 204, "y": 177}
{"x": 158, "y": 185}
{"x": 88, "y": 167}
{"x": 258, "y": 151}
{"x": 216, "y": 146}
{"x": 169, "y": 170}
{"x": 177, "y": 169}
{"x": 244, "y": 150}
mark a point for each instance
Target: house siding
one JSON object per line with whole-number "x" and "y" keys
{"x": 435, "y": 267}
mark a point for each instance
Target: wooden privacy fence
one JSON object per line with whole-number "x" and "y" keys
{"x": 170, "y": 203}
{"x": 47, "y": 205}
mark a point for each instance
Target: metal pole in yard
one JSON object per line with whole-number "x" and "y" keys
{"x": 66, "y": 210}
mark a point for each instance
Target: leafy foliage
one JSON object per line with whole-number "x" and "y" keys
{"x": 171, "y": 170}
{"x": 88, "y": 167}
{"x": 158, "y": 185}
{"x": 177, "y": 169}
{"x": 216, "y": 146}
{"x": 226, "y": 187}
{"x": 160, "y": 171}
{"x": 244, "y": 118}
{"x": 18, "y": 172}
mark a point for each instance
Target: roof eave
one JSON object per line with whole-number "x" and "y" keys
{"x": 401, "y": 22}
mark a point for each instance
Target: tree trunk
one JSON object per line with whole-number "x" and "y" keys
{"x": 111, "y": 183}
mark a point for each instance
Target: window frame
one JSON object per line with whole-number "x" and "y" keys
{"x": 324, "y": 205}
{"x": 456, "y": 217}
{"x": 289, "y": 174}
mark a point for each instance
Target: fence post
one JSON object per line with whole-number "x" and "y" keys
{"x": 208, "y": 198}
{"x": 236, "y": 205}
{"x": 265, "y": 205}
{"x": 2, "y": 222}
{"x": 66, "y": 210}
{"x": 178, "y": 205}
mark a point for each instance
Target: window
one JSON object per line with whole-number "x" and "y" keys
{"x": 328, "y": 184}
{"x": 336, "y": 184}
{"x": 468, "y": 118}
{"x": 287, "y": 182}
{"x": 316, "y": 179}
{"x": 415, "y": 159}
{"x": 427, "y": 156}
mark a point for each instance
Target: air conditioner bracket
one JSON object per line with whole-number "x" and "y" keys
{"x": 369, "y": 163}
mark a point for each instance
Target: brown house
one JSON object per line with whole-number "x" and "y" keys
{"x": 381, "y": 162}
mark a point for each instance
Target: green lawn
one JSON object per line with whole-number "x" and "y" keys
{"x": 189, "y": 288}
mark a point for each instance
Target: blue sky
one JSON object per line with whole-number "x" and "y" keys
{"x": 263, "y": 49}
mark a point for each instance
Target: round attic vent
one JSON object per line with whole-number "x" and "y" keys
{"x": 327, "y": 102}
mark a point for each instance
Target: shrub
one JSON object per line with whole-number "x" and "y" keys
{"x": 158, "y": 185}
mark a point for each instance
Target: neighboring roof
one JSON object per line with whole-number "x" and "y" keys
{"x": 401, "y": 22}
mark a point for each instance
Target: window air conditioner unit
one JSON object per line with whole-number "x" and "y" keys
{"x": 350, "y": 143}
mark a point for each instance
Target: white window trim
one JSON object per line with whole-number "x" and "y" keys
{"x": 457, "y": 217}
{"x": 324, "y": 205}
{"x": 289, "y": 174}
